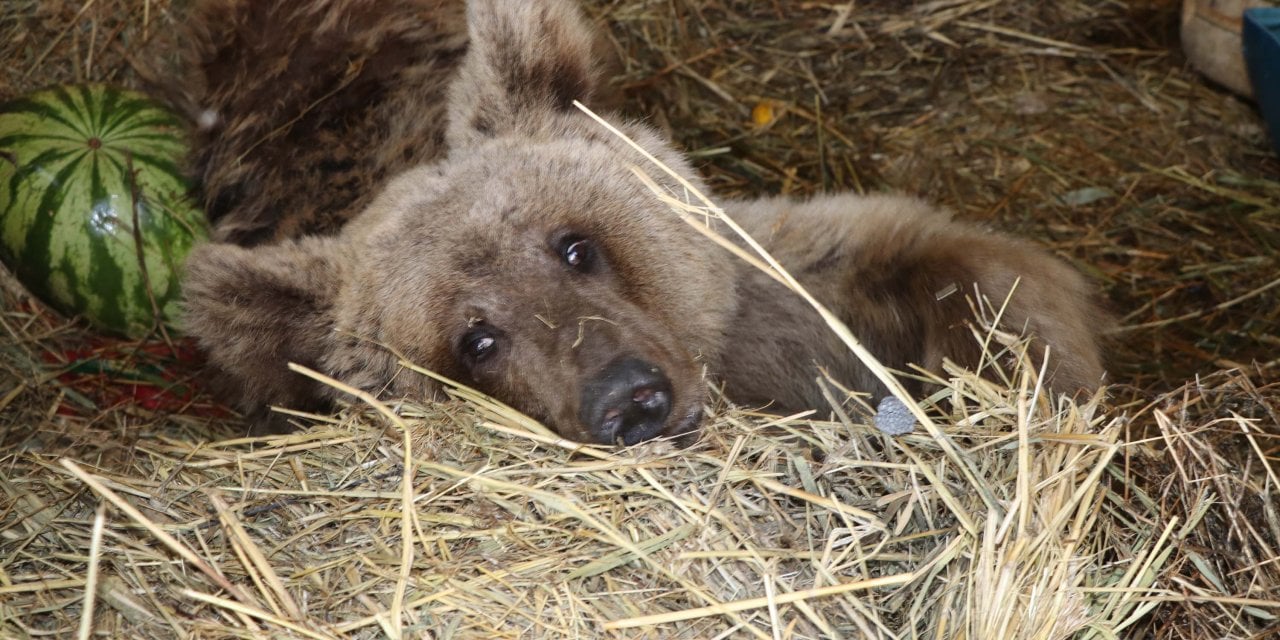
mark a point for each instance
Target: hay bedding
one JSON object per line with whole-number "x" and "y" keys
{"x": 1150, "y": 514}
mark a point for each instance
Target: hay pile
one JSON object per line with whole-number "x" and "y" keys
{"x": 1152, "y": 513}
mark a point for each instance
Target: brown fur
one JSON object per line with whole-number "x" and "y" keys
{"x": 478, "y": 248}
{"x": 305, "y": 108}
{"x": 900, "y": 274}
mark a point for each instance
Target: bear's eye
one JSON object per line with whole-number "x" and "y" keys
{"x": 577, "y": 252}
{"x": 479, "y": 344}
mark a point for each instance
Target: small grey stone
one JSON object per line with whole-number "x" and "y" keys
{"x": 1087, "y": 195}
{"x": 893, "y": 417}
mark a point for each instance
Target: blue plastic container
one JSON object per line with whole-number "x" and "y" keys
{"x": 1261, "y": 35}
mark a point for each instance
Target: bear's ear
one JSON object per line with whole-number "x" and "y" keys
{"x": 527, "y": 60}
{"x": 255, "y": 310}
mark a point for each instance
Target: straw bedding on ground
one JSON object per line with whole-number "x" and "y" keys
{"x": 1148, "y": 512}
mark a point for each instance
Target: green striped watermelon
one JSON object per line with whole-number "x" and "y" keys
{"x": 95, "y": 215}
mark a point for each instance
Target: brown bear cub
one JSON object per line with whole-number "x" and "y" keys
{"x": 388, "y": 183}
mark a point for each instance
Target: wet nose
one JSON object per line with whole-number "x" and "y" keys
{"x": 629, "y": 400}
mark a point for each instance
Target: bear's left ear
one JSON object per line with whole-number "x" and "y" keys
{"x": 527, "y": 61}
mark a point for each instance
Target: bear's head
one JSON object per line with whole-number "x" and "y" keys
{"x": 531, "y": 263}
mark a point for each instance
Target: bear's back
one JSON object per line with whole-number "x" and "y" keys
{"x": 303, "y": 109}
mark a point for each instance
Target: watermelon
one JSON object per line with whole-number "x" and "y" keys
{"x": 96, "y": 217}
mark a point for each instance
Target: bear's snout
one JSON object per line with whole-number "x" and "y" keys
{"x": 629, "y": 401}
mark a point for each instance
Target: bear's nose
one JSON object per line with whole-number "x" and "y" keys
{"x": 629, "y": 400}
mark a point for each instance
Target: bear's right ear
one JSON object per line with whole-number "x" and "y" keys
{"x": 526, "y": 60}
{"x": 255, "y": 310}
